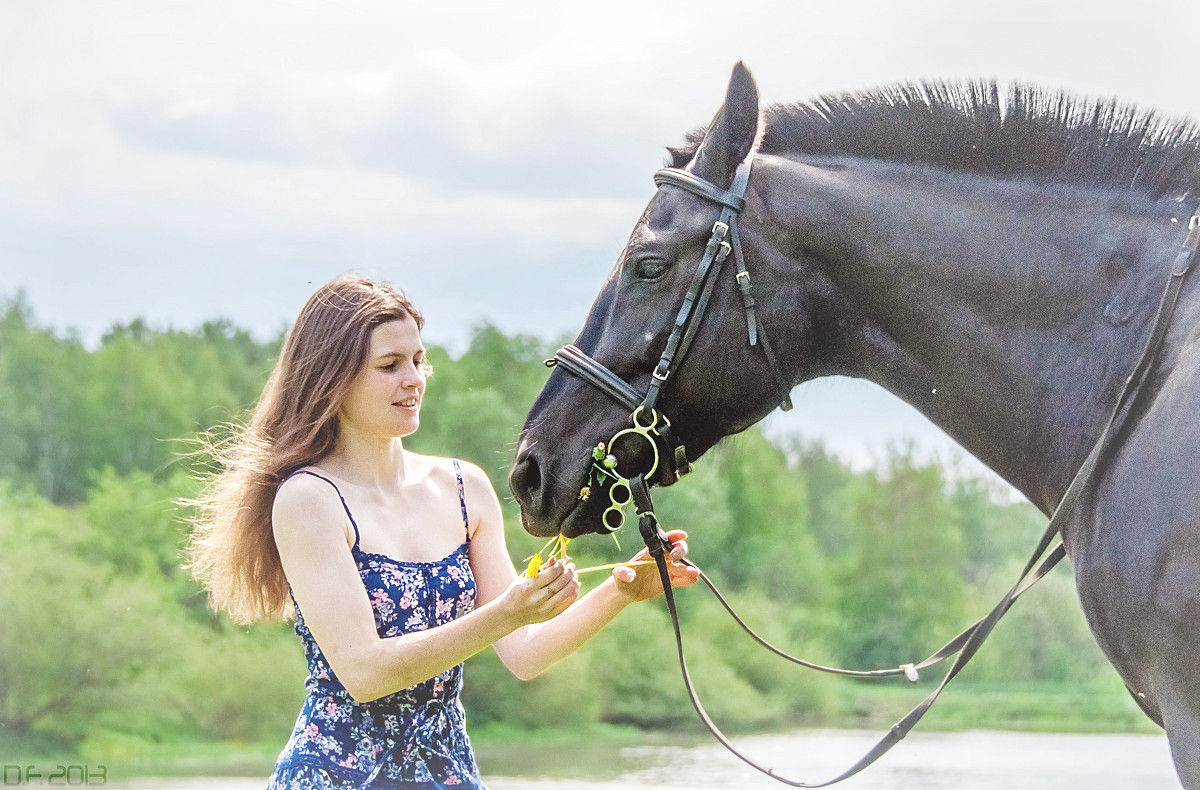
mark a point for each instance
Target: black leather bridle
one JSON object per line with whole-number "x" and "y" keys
{"x": 645, "y": 419}
{"x": 648, "y": 423}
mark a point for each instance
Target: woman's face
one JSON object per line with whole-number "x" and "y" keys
{"x": 385, "y": 397}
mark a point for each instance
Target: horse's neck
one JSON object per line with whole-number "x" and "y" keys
{"x": 1007, "y": 313}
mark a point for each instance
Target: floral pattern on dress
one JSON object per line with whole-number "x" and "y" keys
{"x": 415, "y": 737}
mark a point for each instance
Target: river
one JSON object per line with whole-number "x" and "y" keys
{"x": 925, "y": 761}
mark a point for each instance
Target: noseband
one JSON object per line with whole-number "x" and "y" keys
{"x": 646, "y": 422}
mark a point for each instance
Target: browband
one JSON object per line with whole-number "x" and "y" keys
{"x": 698, "y": 186}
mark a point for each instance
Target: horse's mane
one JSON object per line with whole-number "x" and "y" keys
{"x": 966, "y": 127}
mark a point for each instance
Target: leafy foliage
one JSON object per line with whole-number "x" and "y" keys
{"x": 132, "y": 404}
{"x": 901, "y": 575}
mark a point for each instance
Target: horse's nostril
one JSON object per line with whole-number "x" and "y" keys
{"x": 527, "y": 477}
{"x": 533, "y": 474}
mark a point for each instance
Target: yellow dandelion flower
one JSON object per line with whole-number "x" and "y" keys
{"x": 556, "y": 547}
{"x": 561, "y": 548}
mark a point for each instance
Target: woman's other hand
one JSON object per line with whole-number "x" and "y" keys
{"x": 642, "y": 583}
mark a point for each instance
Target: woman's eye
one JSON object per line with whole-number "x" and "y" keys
{"x": 651, "y": 268}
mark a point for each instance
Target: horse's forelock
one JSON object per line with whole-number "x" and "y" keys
{"x": 679, "y": 156}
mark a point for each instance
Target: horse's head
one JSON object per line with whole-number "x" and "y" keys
{"x": 716, "y": 382}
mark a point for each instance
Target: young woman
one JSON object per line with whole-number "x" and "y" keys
{"x": 394, "y": 564}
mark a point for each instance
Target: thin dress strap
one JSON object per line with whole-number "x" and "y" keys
{"x": 462, "y": 497}
{"x": 349, "y": 515}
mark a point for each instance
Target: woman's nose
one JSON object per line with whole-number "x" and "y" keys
{"x": 414, "y": 377}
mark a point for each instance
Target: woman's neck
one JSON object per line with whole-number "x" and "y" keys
{"x": 368, "y": 461}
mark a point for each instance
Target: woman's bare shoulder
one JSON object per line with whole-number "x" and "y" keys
{"x": 307, "y": 506}
{"x": 477, "y": 487}
{"x": 306, "y": 486}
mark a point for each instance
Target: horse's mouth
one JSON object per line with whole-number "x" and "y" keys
{"x": 593, "y": 505}
{"x": 583, "y": 516}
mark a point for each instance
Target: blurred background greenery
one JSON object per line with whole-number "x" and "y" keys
{"x": 108, "y": 650}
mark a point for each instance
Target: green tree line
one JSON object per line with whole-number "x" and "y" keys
{"x": 106, "y": 643}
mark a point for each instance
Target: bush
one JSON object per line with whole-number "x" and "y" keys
{"x": 76, "y": 640}
{"x": 565, "y": 696}
{"x": 239, "y": 684}
{"x": 1044, "y": 637}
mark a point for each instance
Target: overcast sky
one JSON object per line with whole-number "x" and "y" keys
{"x": 183, "y": 161}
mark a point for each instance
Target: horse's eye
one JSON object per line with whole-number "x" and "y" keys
{"x": 650, "y": 268}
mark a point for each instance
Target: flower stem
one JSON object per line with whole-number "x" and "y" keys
{"x": 614, "y": 565}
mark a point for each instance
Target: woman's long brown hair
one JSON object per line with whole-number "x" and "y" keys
{"x": 232, "y": 549}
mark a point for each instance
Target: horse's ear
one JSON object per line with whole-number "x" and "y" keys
{"x": 732, "y": 132}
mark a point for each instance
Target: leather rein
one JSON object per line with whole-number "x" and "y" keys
{"x": 624, "y": 485}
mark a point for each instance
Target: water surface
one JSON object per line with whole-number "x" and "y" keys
{"x": 924, "y": 761}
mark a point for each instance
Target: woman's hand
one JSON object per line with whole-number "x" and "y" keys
{"x": 543, "y": 597}
{"x": 641, "y": 582}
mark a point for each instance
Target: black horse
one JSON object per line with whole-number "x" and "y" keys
{"x": 994, "y": 260}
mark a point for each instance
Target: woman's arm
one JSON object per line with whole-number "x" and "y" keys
{"x": 314, "y": 538}
{"x": 529, "y": 651}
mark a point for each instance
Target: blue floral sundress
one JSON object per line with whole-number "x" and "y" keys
{"x": 413, "y": 738}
